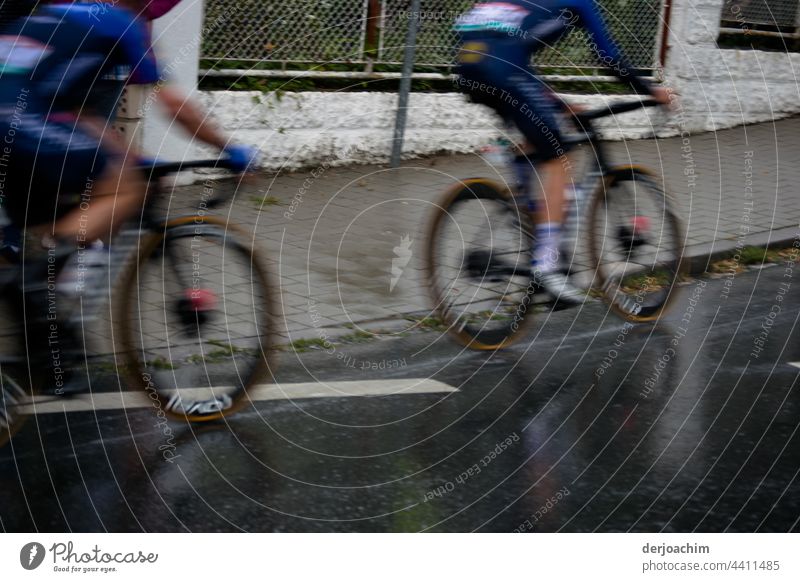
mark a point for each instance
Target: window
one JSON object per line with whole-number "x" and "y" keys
{"x": 760, "y": 24}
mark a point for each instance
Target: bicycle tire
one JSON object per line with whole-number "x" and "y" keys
{"x": 129, "y": 316}
{"x": 476, "y": 335}
{"x": 666, "y": 269}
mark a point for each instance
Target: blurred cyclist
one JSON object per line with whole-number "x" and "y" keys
{"x": 107, "y": 90}
{"x": 66, "y": 176}
{"x": 494, "y": 68}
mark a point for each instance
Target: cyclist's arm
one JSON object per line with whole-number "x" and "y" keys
{"x": 544, "y": 34}
{"x": 136, "y": 44}
{"x": 191, "y": 117}
{"x": 584, "y": 13}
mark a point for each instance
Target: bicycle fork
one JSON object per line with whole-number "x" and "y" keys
{"x": 195, "y": 302}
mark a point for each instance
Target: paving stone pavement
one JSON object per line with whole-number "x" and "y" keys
{"x": 330, "y": 233}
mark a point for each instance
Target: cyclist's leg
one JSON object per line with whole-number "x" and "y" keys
{"x": 101, "y": 189}
{"x": 60, "y": 211}
{"x": 115, "y": 196}
{"x": 533, "y": 107}
{"x": 535, "y": 110}
{"x": 527, "y": 102}
{"x": 477, "y": 81}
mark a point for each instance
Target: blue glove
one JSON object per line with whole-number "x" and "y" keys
{"x": 242, "y": 158}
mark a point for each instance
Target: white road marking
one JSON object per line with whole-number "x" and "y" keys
{"x": 262, "y": 392}
{"x": 795, "y": 364}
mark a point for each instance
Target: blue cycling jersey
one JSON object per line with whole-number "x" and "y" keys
{"x": 511, "y": 31}
{"x": 60, "y": 57}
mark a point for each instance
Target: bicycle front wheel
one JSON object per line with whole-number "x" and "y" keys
{"x": 478, "y": 265}
{"x": 636, "y": 244}
{"x": 195, "y": 317}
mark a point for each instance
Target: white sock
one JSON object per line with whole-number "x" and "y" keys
{"x": 545, "y": 255}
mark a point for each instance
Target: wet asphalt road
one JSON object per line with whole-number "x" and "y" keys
{"x": 588, "y": 425}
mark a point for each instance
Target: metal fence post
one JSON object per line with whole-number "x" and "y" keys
{"x": 405, "y": 84}
{"x": 372, "y": 35}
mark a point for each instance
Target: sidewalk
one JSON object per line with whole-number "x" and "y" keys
{"x": 330, "y": 233}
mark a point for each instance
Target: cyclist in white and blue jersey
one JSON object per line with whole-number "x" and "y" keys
{"x": 495, "y": 68}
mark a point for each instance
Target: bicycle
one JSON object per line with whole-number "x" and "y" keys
{"x": 479, "y": 241}
{"x": 191, "y": 305}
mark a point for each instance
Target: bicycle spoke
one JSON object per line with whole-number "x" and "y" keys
{"x": 480, "y": 265}
{"x": 636, "y": 242}
{"x": 199, "y": 321}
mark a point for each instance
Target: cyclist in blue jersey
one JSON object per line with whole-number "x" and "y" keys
{"x": 65, "y": 177}
{"x": 498, "y": 40}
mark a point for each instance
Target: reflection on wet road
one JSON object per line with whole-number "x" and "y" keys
{"x": 589, "y": 425}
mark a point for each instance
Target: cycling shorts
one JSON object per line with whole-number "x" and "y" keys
{"x": 50, "y": 168}
{"x": 520, "y": 97}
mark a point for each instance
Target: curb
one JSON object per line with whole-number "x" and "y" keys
{"x": 700, "y": 256}
{"x": 697, "y": 258}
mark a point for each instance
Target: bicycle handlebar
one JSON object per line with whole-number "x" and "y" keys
{"x": 615, "y": 109}
{"x": 159, "y": 169}
{"x": 155, "y": 169}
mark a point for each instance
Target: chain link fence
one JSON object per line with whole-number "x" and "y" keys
{"x": 328, "y": 34}
{"x": 311, "y": 31}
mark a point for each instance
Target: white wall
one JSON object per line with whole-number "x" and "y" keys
{"x": 726, "y": 87}
{"x": 302, "y": 129}
{"x": 176, "y": 37}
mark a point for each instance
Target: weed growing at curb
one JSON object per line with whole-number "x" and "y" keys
{"x": 262, "y": 201}
{"x": 751, "y": 256}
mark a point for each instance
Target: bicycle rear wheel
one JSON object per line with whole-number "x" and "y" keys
{"x": 478, "y": 264}
{"x": 196, "y": 318}
{"x": 636, "y": 243}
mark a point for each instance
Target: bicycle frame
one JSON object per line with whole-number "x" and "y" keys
{"x": 155, "y": 172}
{"x": 126, "y": 241}
{"x": 599, "y": 166}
